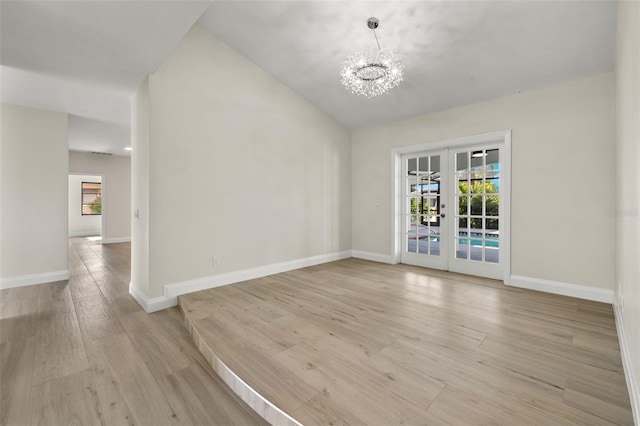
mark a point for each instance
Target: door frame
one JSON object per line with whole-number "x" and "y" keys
{"x": 502, "y": 137}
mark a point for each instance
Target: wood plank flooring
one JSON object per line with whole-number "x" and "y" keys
{"x": 357, "y": 342}
{"x": 83, "y": 352}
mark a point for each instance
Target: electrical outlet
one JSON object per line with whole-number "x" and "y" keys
{"x": 216, "y": 260}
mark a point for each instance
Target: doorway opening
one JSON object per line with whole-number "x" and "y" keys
{"x": 86, "y": 206}
{"x": 452, "y": 205}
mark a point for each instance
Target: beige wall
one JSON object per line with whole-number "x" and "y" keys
{"x": 33, "y": 193}
{"x": 562, "y": 176}
{"x": 140, "y": 188}
{"x": 116, "y": 190}
{"x": 627, "y": 212}
{"x": 239, "y": 166}
{"x": 80, "y": 224}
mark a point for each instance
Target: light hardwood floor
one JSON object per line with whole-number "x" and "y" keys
{"x": 357, "y": 342}
{"x": 83, "y": 352}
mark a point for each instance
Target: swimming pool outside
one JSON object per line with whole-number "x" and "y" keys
{"x": 490, "y": 240}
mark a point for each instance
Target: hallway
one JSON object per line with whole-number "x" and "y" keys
{"x": 82, "y": 351}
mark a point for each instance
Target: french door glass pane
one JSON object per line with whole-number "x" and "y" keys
{"x": 492, "y": 205}
{"x": 462, "y": 161}
{"x": 477, "y": 163}
{"x": 434, "y": 246}
{"x": 476, "y": 205}
{"x": 463, "y": 205}
{"x": 423, "y": 245}
{"x": 492, "y": 255}
{"x": 412, "y": 164}
{"x": 462, "y": 248}
{"x": 463, "y": 223}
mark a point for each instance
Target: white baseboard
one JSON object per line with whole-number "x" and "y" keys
{"x": 565, "y": 289}
{"x": 172, "y": 291}
{"x": 32, "y": 279}
{"x": 153, "y": 304}
{"x": 93, "y": 233}
{"x": 627, "y": 363}
{"x": 375, "y": 257}
{"x": 212, "y": 281}
{"x": 116, "y": 240}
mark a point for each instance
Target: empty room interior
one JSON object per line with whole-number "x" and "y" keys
{"x": 317, "y": 212}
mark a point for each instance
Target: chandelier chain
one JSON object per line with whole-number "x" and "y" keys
{"x": 376, "y": 36}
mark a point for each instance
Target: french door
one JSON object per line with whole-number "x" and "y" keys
{"x": 424, "y": 209}
{"x": 452, "y": 210}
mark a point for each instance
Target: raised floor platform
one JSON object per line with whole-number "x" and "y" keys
{"x": 360, "y": 342}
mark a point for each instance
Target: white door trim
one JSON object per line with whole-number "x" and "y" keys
{"x": 504, "y": 138}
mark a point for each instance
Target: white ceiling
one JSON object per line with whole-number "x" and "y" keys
{"x": 454, "y": 52}
{"x": 87, "y": 58}
{"x": 88, "y": 134}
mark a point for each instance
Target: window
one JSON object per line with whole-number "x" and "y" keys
{"x": 91, "y": 198}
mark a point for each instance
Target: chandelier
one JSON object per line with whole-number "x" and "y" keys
{"x": 374, "y": 70}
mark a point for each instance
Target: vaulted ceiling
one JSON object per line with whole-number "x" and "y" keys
{"x": 88, "y": 57}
